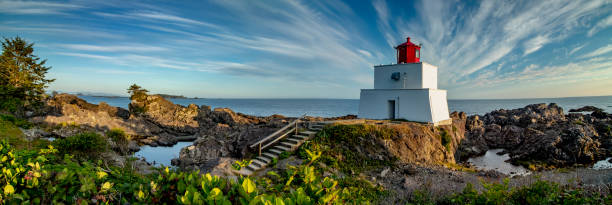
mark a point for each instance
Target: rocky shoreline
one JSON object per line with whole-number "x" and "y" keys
{"x": 538, "y": 136}
{"x": 541, "y": 136}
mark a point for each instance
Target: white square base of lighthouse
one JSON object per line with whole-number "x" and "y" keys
{"x": 421, "y": 105}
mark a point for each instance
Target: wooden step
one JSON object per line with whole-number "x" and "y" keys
{"x": 288, "y": 144}
{"x": 307, "y": 132}
{"x": 282, "y": 147}
{"x": 267, "y": 156}
{"x": 276, "y": 151}
{"x": 293, "y": 140}
{"x": 259, "y": 163}
{"x": 264, "y": 159}
{"x": 300, "y": 137}
{"x": 253, "y": 167}
{"x": 270, "y": 155}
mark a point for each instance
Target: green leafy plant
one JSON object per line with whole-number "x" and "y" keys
{"x": 445, "y": 139}
{"x": 85, "y": 146}
{"x": 237, "y": 165}
{"x": 121, "y": 139}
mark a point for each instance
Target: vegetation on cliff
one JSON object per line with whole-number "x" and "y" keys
{"x": 341, "y": 147}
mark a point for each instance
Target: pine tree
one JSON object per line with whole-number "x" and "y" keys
{"x": 137, "y": 92}
{"x": 22, "y": 75}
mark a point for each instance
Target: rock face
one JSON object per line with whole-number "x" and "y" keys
{"x": 65, "y": 109}
{"x": 159, "y": 111}
{"x": 540, "y": 133}
{"x": 419, "y": 143}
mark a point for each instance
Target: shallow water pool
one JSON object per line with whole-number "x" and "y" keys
{"x": 603, "y": 164}
{"x": 492, "y": 161}
{"x": 161, "y": 155}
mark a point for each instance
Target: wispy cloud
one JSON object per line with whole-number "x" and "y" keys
{"x": 35, "y": 7}
{"x": 114, "y": 48}
{"x": 604, "y": 23}
{"x": 463, "y": 42}
{"x": 63, "y": 30}
{"x": 156, "y": 16}
{"x": 598, "y": 52}
{"x": 576, "y": 49}
{"x": 534, "y": 44}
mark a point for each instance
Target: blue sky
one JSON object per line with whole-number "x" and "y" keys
{"x": 317, "y": 49}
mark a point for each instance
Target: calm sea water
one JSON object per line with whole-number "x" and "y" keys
{"x": 341, "y": 107}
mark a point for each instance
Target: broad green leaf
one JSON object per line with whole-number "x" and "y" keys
{"x": 248, "y": 186}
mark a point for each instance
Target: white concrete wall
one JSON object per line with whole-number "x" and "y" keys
{"x": 439, "y": 105}
{"x": 416, "y": 76}
{"x": 422, "y": 105}
{"x": 430, "y": 76}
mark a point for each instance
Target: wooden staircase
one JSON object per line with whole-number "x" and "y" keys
{"x": 289, "y": 139}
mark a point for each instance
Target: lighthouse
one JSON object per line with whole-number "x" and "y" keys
{"x": 406, "y": 90}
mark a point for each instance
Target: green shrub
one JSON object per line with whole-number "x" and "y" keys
{"x": 87, "y": 145}
{"x": 29, "y": 178}
{"x": 284, "y": 155}
{"x": 337, "y": 144}
{"x": 120, "y": 138}
{"x": 445, "y": 139}
{"x": 16, "y": 121}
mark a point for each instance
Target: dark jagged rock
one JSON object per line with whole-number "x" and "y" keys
{"x": 587, "y": 108}
{"x": 541, "y": 133}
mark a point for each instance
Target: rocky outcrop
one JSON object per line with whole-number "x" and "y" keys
{"x": 587, "y": 108}
{"x": 66, "y": 110}
{"x": 423, "y": 144}
{"x": 156, "y": 121}
{"x": 540, "y": 133}
{"x": 175, "y": 118}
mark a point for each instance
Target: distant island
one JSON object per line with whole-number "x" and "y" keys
{"x": 167, "y": 96}
{"x": 173, "y": 96}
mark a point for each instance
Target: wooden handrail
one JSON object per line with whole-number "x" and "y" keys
{"x": 293, "y": 125}
{"x": 278, "y": 138}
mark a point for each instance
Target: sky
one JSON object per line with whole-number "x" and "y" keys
{"x": 317, "y": 49}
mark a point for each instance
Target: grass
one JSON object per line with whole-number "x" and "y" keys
{"x": 9, "y": 131}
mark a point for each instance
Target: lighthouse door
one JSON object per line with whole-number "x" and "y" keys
{"x": 391, "y": 109}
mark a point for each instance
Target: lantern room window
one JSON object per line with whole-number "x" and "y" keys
{"x": 416, "y": 53}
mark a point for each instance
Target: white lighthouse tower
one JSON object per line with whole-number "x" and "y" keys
{"x": 406, "y": 90}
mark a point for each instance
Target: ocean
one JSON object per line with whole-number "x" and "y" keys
{"x": 341, "y": 107}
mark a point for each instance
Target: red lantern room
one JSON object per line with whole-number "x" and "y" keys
{"x": 408, "y": 52}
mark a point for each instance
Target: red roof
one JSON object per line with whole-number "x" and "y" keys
{"x": 407, "y": 43}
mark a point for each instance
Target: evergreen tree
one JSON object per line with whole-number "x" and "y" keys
{"x": 22, "y": 75}
{"x": 137, "y": 92}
